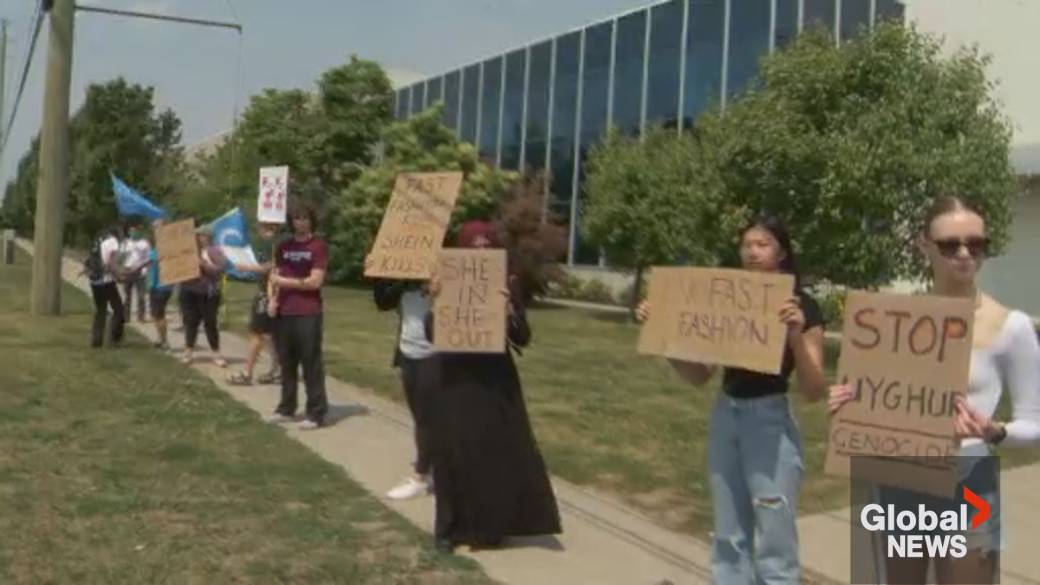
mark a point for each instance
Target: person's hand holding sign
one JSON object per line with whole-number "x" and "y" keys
{"x": 971, "y": 424}
{"x": 643, "y": 312}
{"x": 791, "y": 314}
{"x": 839, "y": 395}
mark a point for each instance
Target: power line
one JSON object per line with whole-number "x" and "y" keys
{"x": 25, "y": 78}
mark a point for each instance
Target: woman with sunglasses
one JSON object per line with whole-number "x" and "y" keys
{"x": 754, "y": 446}
{"x": 1005, "y": 356}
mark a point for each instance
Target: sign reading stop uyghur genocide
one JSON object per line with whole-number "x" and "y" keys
{"x": 717, "y": 316}
{"x": 416, "y": 219}
{"x": 271, "y": 204}
{"x": 470, "y": 311}
{"x": 906, "y": 358}
{"x": 178, "y": 252}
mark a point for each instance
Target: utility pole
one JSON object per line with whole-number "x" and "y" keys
{"x": 3, "y": 75}
{"x": 55, "y": 160}
{"x": 52, "y": 190}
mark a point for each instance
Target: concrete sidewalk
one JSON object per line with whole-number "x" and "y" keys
{"x": 603, "y": 543}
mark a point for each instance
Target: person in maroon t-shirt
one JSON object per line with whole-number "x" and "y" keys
{"x": 300, "y": 266}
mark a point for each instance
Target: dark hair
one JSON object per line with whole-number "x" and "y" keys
{"x": 304, "y": 209}
{"x": 776, "y": 228}
{"x": 946, "y": 204}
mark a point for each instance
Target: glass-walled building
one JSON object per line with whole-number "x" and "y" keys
{"x": 545, "y": 105}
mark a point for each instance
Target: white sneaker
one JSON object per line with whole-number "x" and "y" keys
{"x": 279, "y": 418}
{"x": 412, "y": 487}
{"x": 308, "y": 425}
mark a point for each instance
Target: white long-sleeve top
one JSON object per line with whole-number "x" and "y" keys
{"x": 1011, "y": 363}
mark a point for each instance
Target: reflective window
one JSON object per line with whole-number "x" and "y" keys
{"x": 628, "y": 72}
{"x": 513, "y": 112}
{"x": 491, "y": 98}
{"x": 703, "y": 56}
{"x": 748, "y": 42}
{"x": 565, "y": 106}
{"x": 889, "y": 10}
{"x": 470, "y": 97}
{"x": 595, "y": 89}
{"x": 433, "y": 91}
{"x": 786, "y": 22}
{"x": 666, "y": 25}
{"x": 820, "y": 13}
{"x": 538, "y": 105}
{"x": 416, "y": 100}
{"x": 855, "y": 18}
{"x": 402, "y": 103}
{"x": 451, "y": 100}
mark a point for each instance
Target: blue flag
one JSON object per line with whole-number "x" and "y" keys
{"x": 130, "y": 202}
{"x": 230, "y": 231}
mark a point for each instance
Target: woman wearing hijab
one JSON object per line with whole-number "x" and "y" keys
{"x": 489, "y": 478}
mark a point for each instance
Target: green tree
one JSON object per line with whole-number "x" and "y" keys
{"x": 848, "y": 144}
{"x": 324, "y": 138}
{"x": 648, "y": 204}
{"x": 116, "y": 130}
{"x": 419, "y": 144}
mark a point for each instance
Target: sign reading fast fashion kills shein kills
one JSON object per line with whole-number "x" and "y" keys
{"x": 416, "y": 219}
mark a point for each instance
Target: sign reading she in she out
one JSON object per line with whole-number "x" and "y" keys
{"x": 470, "y": 311}
{"x": 178, "y": 252}
{"x": 413, "y": 227}
{"x": 906, "y": 358}
{"x": 717, "y": 316}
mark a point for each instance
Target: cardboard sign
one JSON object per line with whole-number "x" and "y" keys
{"x": 413, "y": 227}
{"x": 271, "y": 201}
{"x": 906, "y": 358}
{"x": 178, "y": 252}
{"x": 717, "y": 316}
{"x": 470, "y": 311}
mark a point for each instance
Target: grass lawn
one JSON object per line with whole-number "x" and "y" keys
{"x": 122, "y": 467}
{"x": 604, "y": 417}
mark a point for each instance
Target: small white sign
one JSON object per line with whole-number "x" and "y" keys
{"x": 271, "y": 202}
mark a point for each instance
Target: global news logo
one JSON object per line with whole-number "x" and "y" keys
{"x": 924, "y": 533}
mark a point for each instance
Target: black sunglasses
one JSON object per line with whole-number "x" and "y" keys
{"x": 950, "y": 247}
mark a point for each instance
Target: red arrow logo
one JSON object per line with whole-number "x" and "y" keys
{"x": 979, "y": 504}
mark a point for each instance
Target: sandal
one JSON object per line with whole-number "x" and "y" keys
{"x": 187, "y": 359}
{"x": 269, "y": 378}
{"x": 240, "y": 379}
{"x": 220, "y": 362}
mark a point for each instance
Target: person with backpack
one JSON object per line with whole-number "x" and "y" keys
{"x": 100, "y": 268}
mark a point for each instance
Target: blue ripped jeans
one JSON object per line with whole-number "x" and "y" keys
{"x": 755, "y": 461}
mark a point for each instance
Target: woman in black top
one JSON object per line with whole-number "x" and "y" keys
{"x": 754, "y": 452}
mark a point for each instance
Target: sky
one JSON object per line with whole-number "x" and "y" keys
{"x": 207, "y": 74}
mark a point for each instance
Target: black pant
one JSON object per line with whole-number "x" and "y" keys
{"x": 128, "y": 291}
{"x": 421, "y": 379}
{"x": 199, "y": 307}
{"x": 299, "y": 343}
{"x": 105, "y": 296}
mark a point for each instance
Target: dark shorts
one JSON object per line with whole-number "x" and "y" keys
{"x": 158, "y": 299}
{"x": 259, "y": 321}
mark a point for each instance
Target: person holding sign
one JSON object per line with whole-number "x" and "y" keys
{"x": 754, "y": 447}
{"x": 299, "y": 274}
{"x": 420, "y": 371}
{"x": 261, "y": 320}
{"x": 489, "y": 478}
{"x": 200, "y": 298}
{"x": 1005, "y": 353}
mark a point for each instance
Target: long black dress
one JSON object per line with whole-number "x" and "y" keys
{"x": 488, "y": 475}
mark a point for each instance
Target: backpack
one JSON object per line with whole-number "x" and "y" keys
{"x": 93, "y": 266}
